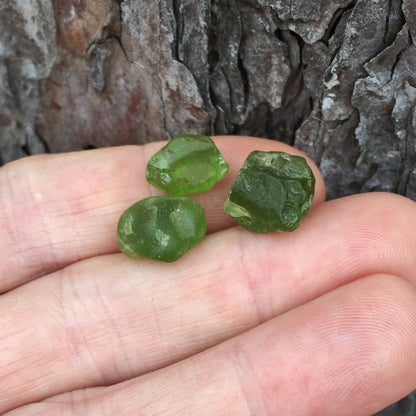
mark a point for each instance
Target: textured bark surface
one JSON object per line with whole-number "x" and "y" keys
{"x": 336, "y": 78}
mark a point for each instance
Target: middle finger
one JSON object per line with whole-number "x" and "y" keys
{"x": 111, "y": 318}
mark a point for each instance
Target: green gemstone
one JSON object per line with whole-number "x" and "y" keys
{"x": 161, "y": 228}
{"x": 272, "y": 192}
{"x": 188, "y": 164}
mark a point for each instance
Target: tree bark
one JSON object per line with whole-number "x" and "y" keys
{"x": 335, "y": 78}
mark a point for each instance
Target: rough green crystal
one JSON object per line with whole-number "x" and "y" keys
{"x": 188, "y": 164}
{"x": 161, "y": 228}
{"x": 272, "y": 192}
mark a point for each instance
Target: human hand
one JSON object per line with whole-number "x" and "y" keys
{"x": 320, "y": 321}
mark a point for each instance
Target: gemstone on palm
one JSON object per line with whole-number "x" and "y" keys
{"x": 273, "y": 191}
{"x": 188, "y": 164}
{"x": 161, "y": 228}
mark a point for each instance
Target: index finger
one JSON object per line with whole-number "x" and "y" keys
{"x": 59, "y": 209}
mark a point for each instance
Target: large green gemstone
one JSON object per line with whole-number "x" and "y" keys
{"x": 188, "y": 164}
{"x": 272, "y": 192}
{"x": 161, "y": 227}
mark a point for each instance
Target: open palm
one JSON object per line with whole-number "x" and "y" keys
{"x": 320, "y": 321}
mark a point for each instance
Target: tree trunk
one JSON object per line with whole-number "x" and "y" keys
{"x": 335, "y": 78}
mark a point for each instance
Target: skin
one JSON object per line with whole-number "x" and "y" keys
{"x": 320, "y": 321}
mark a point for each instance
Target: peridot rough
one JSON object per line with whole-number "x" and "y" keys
{"x": 272, "y": 192}
{"x": 188, "y": 164}
{"x": 161, "y": 228}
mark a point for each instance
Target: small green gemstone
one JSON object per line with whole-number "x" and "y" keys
{"x": 272, "y": 192}
{"x": 188, "y": 164}
{"x": 161, "y": 228}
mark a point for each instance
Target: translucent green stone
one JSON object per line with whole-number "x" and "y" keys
{"x": 272, "y": 192}
{"x": 161, "y": 228}
{"x": 188, "y": 164}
